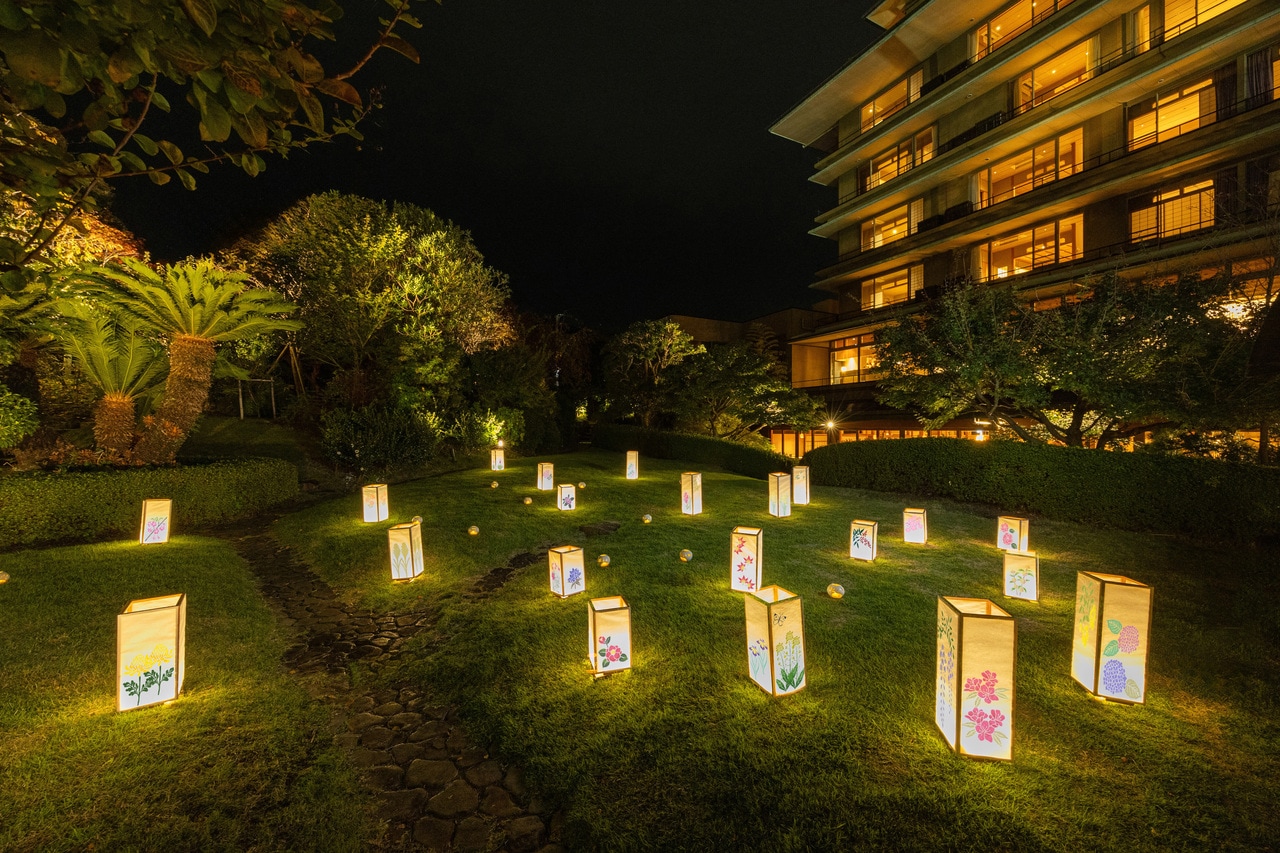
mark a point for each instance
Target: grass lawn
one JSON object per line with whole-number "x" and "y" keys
{"x": 243, "y": 760}
{"x": 685, "y": 752}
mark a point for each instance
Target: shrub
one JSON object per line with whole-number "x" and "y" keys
{"x": 87, "y": 505}
{"x": 731, "y": 456}
{"x": 18, "y": 418}
{"x": 1131, "y": 491}
{"x": 377, "y": 439}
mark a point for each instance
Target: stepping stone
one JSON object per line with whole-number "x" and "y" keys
{"x": 432, "y": 774}
{"x": 498, "y": 803}
{"x": 376, "y": 737}
{"x": 388, "y": 777}
{"x": 473, "y": 834}
{"x": 360, "y": 722}
{"x": 601, "y": 528}
{"x": 401, "y": 805}
{"x": 433, "y": 833}
{"x": 525, "y": 834}
{"x": 457, "y": 799}
{"x": 403, "y": 753}
{"x": 484, "y": 774}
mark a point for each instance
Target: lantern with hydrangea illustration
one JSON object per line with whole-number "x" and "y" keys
{"x": 974, "y": 677}
{"x": 780, "y": 494}
{"x": 633, "y": 464}
{"x": 915, "y": 526}
{"x": 374, "y": 497}
{"x": 1109, "y": 643}
{"x": 497, "y": 459}
{"x": 1012, "y": 533}
{"x": 609, "y": 635}
{"x": 1022, "y": 575}
{"x": 863, "y": 539}
{"x": 746, "y": 554}
{"x": 405, "y": 542}
{"x": 567, "y": 497}
{"x": 546, "y": 476}
{"x": 157, "y": 518}
{"x": 691, "y": 493}
{"x": 568, "y": 572}
{"x": 775, "y": 640}
{"x": 151, "y": 651}
{"x": 800, "y": 485}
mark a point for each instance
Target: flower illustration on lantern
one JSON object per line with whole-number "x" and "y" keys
{"x": 155, "y": 529}
{"x": 860, "y": 536}
{"x": 609, "y": 653}
{"x": 686, "y": 502}
{"x": 147, "y": 671}
{"x": 759, "y": 660}
{"x": 790, "y": 661}
{"x": 566, "y": 501}
{"x": 575, "y": 578}
{"x": 985, "y": 725}
{"x": 1007, "y": 538}
{"x": 984, "y": 689}
{"x": 913, "y": 524}
{"x": 1113, "y": 677}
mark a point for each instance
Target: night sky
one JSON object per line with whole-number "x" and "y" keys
{"x": 612, "y": 157}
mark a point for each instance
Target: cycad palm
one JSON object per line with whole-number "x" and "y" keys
{"x": 195, "y": 304}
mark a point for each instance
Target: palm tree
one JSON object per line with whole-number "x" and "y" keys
{"x": 194, "y": 305}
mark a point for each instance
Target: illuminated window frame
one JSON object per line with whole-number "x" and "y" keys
{"x": 901, "y": 158}
{"x": 1048, "y": 243}
{"x": 1047, "y": 165}
{"x": 855, "y": 359}
{"x": 1172, "y": 212}
{"x": 892, "y": 225}
{"x": 892, "y": 288}
{"x": 1044, "y": 82}
{"x": 903, "y": 92}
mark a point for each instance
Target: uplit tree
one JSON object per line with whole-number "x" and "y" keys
{"x": 638, "y": 367}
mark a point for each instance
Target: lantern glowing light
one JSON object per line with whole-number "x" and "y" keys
{"x": 473, "y": 530}
{"x": 157, "y": 514}
{"x": 800, "y": 485}
{"x": 835, "y": 590}
{"x": 567, "y": 570}
{"x": 546, "y": 476}
{"x": 497, "y": 459}
{"x": 863, "y": 540}
{"x": 567, "y": 499}
{"x": 494, "y": 484}
{"x": 1022, "y": 575}
{"x": 775, "y": 640}
{"x": 405, "y": 542}
{"x": 1109, "y": 646}
{"x": 528, "y": 501}
{"x": 646, "y": 518}
{"x": 915, "y": 526}
{"x": 151, "y": 646}
{"x": 603, "y": 561}
{"x": 1012, "y": 533}
{"x": 686, "y": 556}
{"x": 974, "y": 677}
{"x": 691, "y": 493}
{"x": 746, "y": 554}
{"x": 609, "y": 635}
{"x": 374, "y": 497}
{"x": 780, "y": 494}
{"x": 633, "y": 464}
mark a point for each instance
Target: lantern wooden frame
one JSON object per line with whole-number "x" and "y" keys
{"x": 562, "y": 563}
{"x": 376, "y": 504}
{"x": 691, "y": 493}
{"x": 497, "y": 459}
{"x": 864, "y": 539}
{"x": 800, "y": 485}
{"x": 775, "y": 640}
{"x": 1022, "y": 575}
{"x": 633, "y": 464}
{"x": 546, "y": 476}
{"x": 567, "y": 497}
{"x": 780, "y": 494}
{"x": 151, "y": 651}
{"x": 746, "y": 558}
{"x": 976, "y": 656}
{"x": 915, "y": 526}
{"x": 609, "y": 635}
{"x": 157, "y": 521}
{"x": 404, "y": 541}
{"x": 1012, "y": 533}
{"x": 1110, "y": 637}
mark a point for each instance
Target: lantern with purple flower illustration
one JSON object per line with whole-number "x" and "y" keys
{"x": 567, "y": 496}
{"x": 157, "y": 518}
{"x": 691, "y": 493}
{"x": 780, "y": 494}
{"x": 633, "y": 464}
{"x": 775, "y": 640}
{"x": 915, "y": 526}
{"x": 1109, "y": 643}
{"x": 568, "y": 570}
{"x": 800, "y": 485}
{"x": 1012, "y": 533}
{"x": 546, "y": 476}
{"x": 609, "y": 635}
{"x": 862, "y": 539}
{"x": 405, "y": 542}
{"x": 374, "y": 497}
{"x": 974, "y": 683}
{"x": 1022, "y": 575}
{"x": 151, "y": 651}
{"x": 746, "y": 554}
{"x": 497, "y": 459}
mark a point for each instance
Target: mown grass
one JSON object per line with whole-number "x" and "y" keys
{"x": 242, "y": 760}
{"x": 685, "y": 752}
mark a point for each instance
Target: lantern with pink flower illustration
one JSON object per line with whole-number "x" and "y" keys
{"x": 1109, "y": 643}
{"x": 1012, "y": 533}
{"x": 497, "y": 459}
{"x": 974, "y": 679}
{"x": 568, "y": 570}
{"x": 374, "y": 498}
{"x": 546, "y": 476}
{"x": 746, "y": 553}
{"x": 775, "y": 640}
{"x": 915, "y": 526}
{"x": 151, "y": 651}
{"x": 862, "y": 540}
{"x": 157, "y": 519}
{"x": 633, "y": 464}
{"x": 1022, "y": 575}
{"x": 780, "y": 494}
{"x": 609, "y": 635}
{"x": 800, "y": 485}
{"x": 567, "y": 497}
{"x": 691, "y": 493}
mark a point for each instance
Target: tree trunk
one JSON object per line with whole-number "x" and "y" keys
{"x": 185, "y": 393}
{"x": 113, "y": 423}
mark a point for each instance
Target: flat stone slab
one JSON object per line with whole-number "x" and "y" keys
{"x": 457, "y": 799}
{"x": 432, "y": 774}
{"x": 433, "y": 833}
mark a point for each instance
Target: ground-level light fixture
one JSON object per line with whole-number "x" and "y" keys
{"x": 609, "y": 635}
{"x": 746, "y": 556}
{"x": 497, "y": 459}
{"x": 546, "y": 476}
{"x": 374, "y": 497}
{"x": 915, "y": 526}
{"x": 1109, "y": 643}
{"x": 567, "y": 497}
{"x": 863, "y": 536}
{"x": 157, "y": 519}
{"x": 780, "y": 494}
{"x": 974, "y": 677}
{"x": 1012, "y": 533}
{"x": 405, "y": 543}
{"x": 151, "y": 647}
{"x": 1022, "y": 575}
{"x": 775, "y": 639}
{"x": 633, "y": 464}
{"x": 800, "y": 485}
{"x": 691, "y": 493}
{"x": 567, "y": 570}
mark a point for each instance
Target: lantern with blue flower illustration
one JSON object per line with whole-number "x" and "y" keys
{"x": 157, "y": 519}
{"x": 780, "y": 494}
{"x": 775, "y": 640}
{"x": 800, "y": 485}
{"x": 609, "y": 635}
{"x": 567, "y": 497}
{"x": 568, "y": 570}
{"x": 633, "y": 464}
{"x": 746, "y": 554}
{"x": 974, "y": 684}
{"x": 374, "y": 498}
{"x": 546, "y": 476}
{"x": 151, "y": 651}
{"x": 691, "y": 493}
{"x": 1109, "y": 645}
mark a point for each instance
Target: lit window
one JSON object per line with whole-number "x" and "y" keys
{"x": 854, "y": 359}
{"x": 899, "y": 159}
{"x": 1172, "y": 212}
{"x": 1050, "y": 79}
{"x": 1009, "y": 23}
{"x": 1183, "y": 15}
{"x": 888, "y": 102}
{"x": 892, "y": 225}
{"x": 898, "y": 286}
{"x": 1172, "y": 114}
{"x": 1026, "y": 170}
{"x": 1041, "y": 246}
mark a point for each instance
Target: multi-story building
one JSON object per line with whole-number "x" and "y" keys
{"x": 1041, "y": 141}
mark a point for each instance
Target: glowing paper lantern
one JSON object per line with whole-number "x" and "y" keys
{"x": 1022, "y": 575}
{"x": 915, "y": 526}
{"x": 691, "y": 493}
{"x": 494, "y": 484}
{"x": 780, "y": 495}
{"x": 157, "y": 515}
{"x": 633, "y": 464}
{"x": 800, "y": 485}
{"x": 1011, "y": 533}
{"x": 976, "y": 653}
{"x": 568, "y": 572}
{"x": 746, "y": 553}
{"x": 568, "y": 497}
{"x": 1109, "y": 649}
{"x": 375, "y": 502}
{"x": 151, "y": 646}
{"x": 609, "y": 634}
{"x": 582, "y": 484}
{"x": 497, "y": 459}
{"x": 863, "y": 537}
{"x": 775, "y": 640}
{"x": 405, "y": 542}
{"x": 546, "y": 476}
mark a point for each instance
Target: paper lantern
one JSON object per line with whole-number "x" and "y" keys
{"x": 1011, "y": 533}
{"x": 151, "y": 646}
{"x": 975, "y": 684}
{"x": 582, "y": 484}
{"x": 494, "y": 484}
{"x": 375, "y": 502}
{"x": 775, "y": 640}
{"x": 691, "y": 493}
{"x": 497, "y": 459}
{"x": 4, "y": 577}
{"x": 1109, "y": 649}
{"x": 915, "y": 526}
{"x": 157, "y": 515}
{"x": 405, "y": 542}
{"x": 835, "y": 590}
{"x": 567, "y": 498}
{"x": 780, "y": 495}
{"x": 568, "y": 572}
{"x": 745, "y": 556}
{"x": 1022, "y": 575}
{"x": 800, "y": 485}
{"x": 609, "y": 634}
{"x": 863, "y": 539}
{"x": 633, "y": 464}
{"x": 546, "y": 476}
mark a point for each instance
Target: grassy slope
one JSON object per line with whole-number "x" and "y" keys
{"x": 241, "y": 761}
{"x": 685, "y": 752}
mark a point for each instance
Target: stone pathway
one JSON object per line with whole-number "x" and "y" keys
{"x": 436, "y": 789}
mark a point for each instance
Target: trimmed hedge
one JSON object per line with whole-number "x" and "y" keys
{"x": 1131, "y": 491}
{"x": 729, "y": 455}
{"x": 90, "y": 505}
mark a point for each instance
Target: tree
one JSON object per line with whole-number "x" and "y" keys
{"x": 638, "y": 362}
{"x": 733, "y": 390}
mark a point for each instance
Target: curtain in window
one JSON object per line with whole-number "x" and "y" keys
{"x": 1259, "y": 77}
{"x": 1224, "y": 88}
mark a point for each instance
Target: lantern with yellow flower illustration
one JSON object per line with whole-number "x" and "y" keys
{"x": 151, "y": 640}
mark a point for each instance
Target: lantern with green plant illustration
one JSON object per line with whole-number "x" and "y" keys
{"x": 1022, "y": 575}
{"x": 405, "y": 542}
{"x": 863, "y": 537}
{"x": 775, "y": 640}
{"x": 1109, "y": 644}
{"x": 800, "y": 485}
{"x": 780, "y": 494}
{"x": 151, "y": 646}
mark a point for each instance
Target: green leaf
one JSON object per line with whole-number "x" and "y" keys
{"x": 102, "y": 138}
{"x": 1112, "y": 648}
{"x": 202, "y": 13}
{"x": 1131, "y": 689}
{"x": 133, "y": 161}
{"x": 54, "y": 104}
{"x": 1114, "y": 626}
{"x": 160, "y": 101}
{"x": 312, "y": 108}
{"x": 171, "y": 151}
{"x": 605, "y": 663}
{"x": 622, "y": 659}
{"x": 188, "y": 180}
{"x": 11, "y": 17}
{"x": 401, "y": 47}
{"x": 215, "y": 123}
{"x": 158, "y": 178}
{"x": 96, "y": 117}
{"x": 147, "y": 144}
{"x": 341, "y": 90}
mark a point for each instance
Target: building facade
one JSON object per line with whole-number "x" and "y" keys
{"x": 1040, "y": 141}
